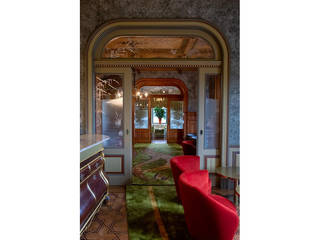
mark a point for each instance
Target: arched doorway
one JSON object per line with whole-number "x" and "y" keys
{"x": 168, "y": 93}
{"x": 211, "y": 69}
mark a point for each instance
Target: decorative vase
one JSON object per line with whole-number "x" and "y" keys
{"x": 160, "y": 120}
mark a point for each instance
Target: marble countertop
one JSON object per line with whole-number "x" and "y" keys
{"x": 90, "y": 140}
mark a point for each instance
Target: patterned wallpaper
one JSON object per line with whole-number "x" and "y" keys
{"x": 223, "y": 14}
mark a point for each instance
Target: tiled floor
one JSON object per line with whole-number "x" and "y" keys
{"x": 111, "y": 221}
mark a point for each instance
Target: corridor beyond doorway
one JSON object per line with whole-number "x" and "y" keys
{"x": 151, "y": 163}
{"x": 159, "y": 141}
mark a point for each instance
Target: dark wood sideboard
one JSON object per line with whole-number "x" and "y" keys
{"x": 94, "y": 186}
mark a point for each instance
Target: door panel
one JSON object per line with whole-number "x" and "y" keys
{"x": 142, "y": 123}
{"x": 113, "y": 97}
{"x": 209, "y": 119}
{"x": 175, "y": 121}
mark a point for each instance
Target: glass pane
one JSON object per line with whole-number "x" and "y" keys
{"x": 141, "y": 114}
{"x": 109, "y": 108}
{"x": 212, "y": 112}
{"x": 159, "y": 102}
{"x": 176, "y": 115}
{"x": 155, "y": 119}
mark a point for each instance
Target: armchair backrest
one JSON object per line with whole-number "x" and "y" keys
{"x": 189, "y": 148}
{"x": 181, "y": 164}
{"x": 207, "y": 216}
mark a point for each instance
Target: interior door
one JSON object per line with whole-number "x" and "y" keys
{"x": 113, "y": 101}
{"x": 175, "y": 120}
{"x": 142, "y": 120}
{"x": 209, "y": 119}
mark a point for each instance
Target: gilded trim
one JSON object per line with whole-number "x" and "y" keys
{"x": 99, "y": 168}
{"x": 105, "y": 181}
{"x": 91, "y": 162}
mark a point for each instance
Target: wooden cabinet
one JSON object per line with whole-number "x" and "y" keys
{"x": 94, "y": 186}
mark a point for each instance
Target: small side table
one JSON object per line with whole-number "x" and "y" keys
{"x": 232, "y": 173}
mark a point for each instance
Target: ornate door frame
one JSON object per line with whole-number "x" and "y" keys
{"x": 200, "y": 28}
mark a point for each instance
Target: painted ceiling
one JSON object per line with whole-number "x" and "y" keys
{"x": 161, "y": 90}
{"x": 157, "y": 47}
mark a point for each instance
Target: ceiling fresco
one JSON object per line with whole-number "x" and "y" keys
{"x": 161, "y": 90}
{"x": 157, "y": 47}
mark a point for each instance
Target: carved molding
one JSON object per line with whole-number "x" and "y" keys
{"x": 150, "y": 64}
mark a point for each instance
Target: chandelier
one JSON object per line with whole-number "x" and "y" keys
{"x": 137, "y": 93}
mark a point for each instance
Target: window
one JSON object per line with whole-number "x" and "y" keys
{"x": 176, "y": 115}
{"x": 155, "y": 119}
{"x": 109, "y": 108}
{"x": 212, "y": 112}
{"x": 141, "y": 114}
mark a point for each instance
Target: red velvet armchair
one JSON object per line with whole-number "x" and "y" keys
{"x": 180, "y": 164}
{"x": 208, "y": 216}
{"x": 188, "y": 147}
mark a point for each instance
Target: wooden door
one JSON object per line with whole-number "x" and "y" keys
{"x": 142, "y": 120}
{"x": 176, "y": 120}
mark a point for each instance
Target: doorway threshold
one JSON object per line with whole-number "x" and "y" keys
{"x": 159, "y": 141}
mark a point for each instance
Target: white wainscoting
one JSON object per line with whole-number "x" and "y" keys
{"x": 234, "y": 157}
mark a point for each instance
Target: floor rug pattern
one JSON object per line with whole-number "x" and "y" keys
{"x": 151, "y": 163}
{"x": 142, "y": 214}
{"x": 142, "y": 217}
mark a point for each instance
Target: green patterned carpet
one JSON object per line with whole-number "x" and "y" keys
{"x": 142, "y": 221}
{"x": 151, "y": 163}
{"x": 152, "y": 206}
{"x": 154, "y": 214}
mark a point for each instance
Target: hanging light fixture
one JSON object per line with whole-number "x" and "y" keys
{"x": 135, "y": 92}
{"x": 138, "y": 94}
